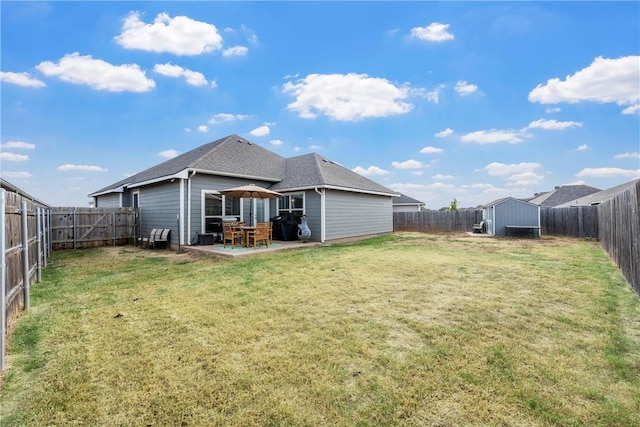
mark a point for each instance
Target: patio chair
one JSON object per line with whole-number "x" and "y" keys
{"x": 145, "y": 241}
{"x": 230, "y": 234}
{"x": 260, "y": 234}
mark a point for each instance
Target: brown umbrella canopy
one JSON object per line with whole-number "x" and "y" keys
{"x": 250, "y": 191}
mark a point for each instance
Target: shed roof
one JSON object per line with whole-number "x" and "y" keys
{"x": 504, "y": 199}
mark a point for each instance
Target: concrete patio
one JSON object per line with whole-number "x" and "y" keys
{"x": 239, "y": 251}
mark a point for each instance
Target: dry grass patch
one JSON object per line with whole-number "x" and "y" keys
{"x": 409, "y": 329}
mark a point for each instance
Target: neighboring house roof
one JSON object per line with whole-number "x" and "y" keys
{"x": 237, "y": 156}
{"x": 601, "y": 196}
{"x": 504, "y": 199}
{"x": 405, "y": 200}
{"x": 562, "y": 195}
{"x": 14, "y": 189}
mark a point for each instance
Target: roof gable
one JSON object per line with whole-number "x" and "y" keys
{"x": 232, "y": 155}
{"x": 313, "y": 170}
{"x": 504, "y": 199}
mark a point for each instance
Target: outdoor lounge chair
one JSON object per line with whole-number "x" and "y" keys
{"x": 478, "y": 228}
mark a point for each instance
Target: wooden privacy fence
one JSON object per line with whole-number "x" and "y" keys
{"x": 619, "y": 225}
{"x": 25, "y": 244}
{"x": 580, "y": 221}
{"x": 78, "y": 228}
{"x": 431, "y": 221}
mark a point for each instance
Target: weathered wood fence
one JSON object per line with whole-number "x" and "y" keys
{"x": 619, "y": 225}
{"x": 78, "y": 228}
{"x": 581, "y": 221}
{"x": 431, "y": 221}
{"x": 25, "y": 248}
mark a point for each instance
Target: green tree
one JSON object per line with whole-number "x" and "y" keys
{"x": 454, "y": 205}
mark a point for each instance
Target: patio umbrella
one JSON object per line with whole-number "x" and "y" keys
{"x": 250, "y": 191}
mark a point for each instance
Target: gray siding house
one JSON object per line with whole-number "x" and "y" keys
{"x": 510, "y": 212}
{"x": 183, "y": 193}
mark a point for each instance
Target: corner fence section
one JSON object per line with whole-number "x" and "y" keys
{"x": 79, "y": 228}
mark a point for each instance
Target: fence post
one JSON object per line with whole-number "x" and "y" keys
{"x": 25, "y": 254}
{"x": 39, "y": 246}
{"x": 45, "y": 240}
{"x": 3, "y": 309}
{"x": 75, "y": 237}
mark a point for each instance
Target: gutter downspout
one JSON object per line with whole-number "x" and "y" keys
{"x": 323, "y": 233}
{"x": 181, "y": 214}
{"x": 191, "y": 175}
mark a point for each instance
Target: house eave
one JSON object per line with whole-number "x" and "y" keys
{"x": 235, "y": 175}
{"x": 335, "y": 187}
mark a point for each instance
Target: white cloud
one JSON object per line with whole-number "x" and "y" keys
{"x": 604, "y": 81}
{"x": 496, "y": 168}
{"x": 179, "y": 35}
{"x": 553, "y": 124}
{"x": 634, "y": 109}
{"x": 18, "y": 144}
{"x": 276, "y": 142}
{"x": 194, "y": 78}
{"x": 169, "y": 154}
{"x": 225, "y": 117}
{"x": 441, "y": 177}
{"x": 493, "y": 136}
{"x": 608, "y": 173}
{"x": 346, "y": 97}
{"x": 20, "y": 79}
{"x": 524, "y": 179}
{"x": 444, "y": 133}
{"x": 430, "y": 95}
{"x": 434, "y": 32}
{"x": 431, "y": 150}
{"x": 635, "y": 155}
{"x": 235, "y": 51}
{"x": 583, "y": 147}
{"x": 98, "y": 74}
{"x": 261, "y": 131}
{"x": 409, "y": 164}
{"x": 203, "y": 128}
{"x": 87, "y": 168}
{"x": 13, "y": 157}
{"x": 463, "y": 88}
{"x": 553, "y": 110}
{"x": 314, "y": 147}
{"x": 370, "y": 171}
{"x": 16, "y": 175}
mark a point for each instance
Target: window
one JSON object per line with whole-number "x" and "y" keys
{"x": 215, "y": 205}
{"x": 291, "y": 203}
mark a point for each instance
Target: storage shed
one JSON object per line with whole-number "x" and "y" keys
{"x": 510, "y": 217}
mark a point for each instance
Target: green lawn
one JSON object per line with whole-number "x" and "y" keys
{"x": 409, "y": 329}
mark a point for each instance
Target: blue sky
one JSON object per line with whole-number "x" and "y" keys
{"x": 437, "y": 100}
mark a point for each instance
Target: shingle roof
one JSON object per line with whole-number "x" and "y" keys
{"x": 406, "y": 200}
{"x": 562, "y": 195}
{"x": 601, "y": 196}
{"x": 237, "y": 156}
{"x": 313, "y": 170}
{"x": 232, "y": 155}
